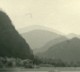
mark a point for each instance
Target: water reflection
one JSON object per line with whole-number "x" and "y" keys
{"x": 24, "y": 71}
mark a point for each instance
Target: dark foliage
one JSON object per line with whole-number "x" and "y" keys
{"x": 48, "y": 62}
{"x": 11, "y": 43}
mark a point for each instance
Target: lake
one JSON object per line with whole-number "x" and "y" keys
{"x": 43, "y": 69}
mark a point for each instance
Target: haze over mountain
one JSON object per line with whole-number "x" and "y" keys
{"x": 35, "y": 27}
{"x": 50, "y": 44}
{"x": 41, "y": 38}
{"x": 72, "y": 35}
{"x": 38, "y": 37}
{"x": 11, "y": 43}
{"x": 68, "y": 51}
{"x": 53, "y": 44}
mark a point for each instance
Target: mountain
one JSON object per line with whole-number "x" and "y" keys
{"x": 72, "y": 35}
{"x": 11, "y": 43}
{"x": 37, "y": 38}
{"x": 36, "y": 27}
{"x": 50, "y": 44}
{"x": 68, "y": 51}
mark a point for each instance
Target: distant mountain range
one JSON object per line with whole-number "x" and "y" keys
{"x": 50, "y": 44}
{"x": 37, "y": 27}
{"x": 68, "y": 50}
{"x": 38, "y": 37}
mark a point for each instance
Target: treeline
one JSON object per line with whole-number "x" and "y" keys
{"x": 6, "y": 62}
{"x": 46, "y": 62}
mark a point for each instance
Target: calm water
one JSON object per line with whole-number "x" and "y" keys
{"x": 43, "y": 69}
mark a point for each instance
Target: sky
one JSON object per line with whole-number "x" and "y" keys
{"x": 61, "y": 15}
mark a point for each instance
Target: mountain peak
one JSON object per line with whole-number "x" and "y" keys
{"x": 75, "y": 39}
{"x": 68, "y": 50}
{"x": 72, "y": 35}
{"x": 39, "y": 37}
{"x": 36, "y": 27}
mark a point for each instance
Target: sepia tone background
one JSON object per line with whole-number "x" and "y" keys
{"x": 62, "y": 15}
